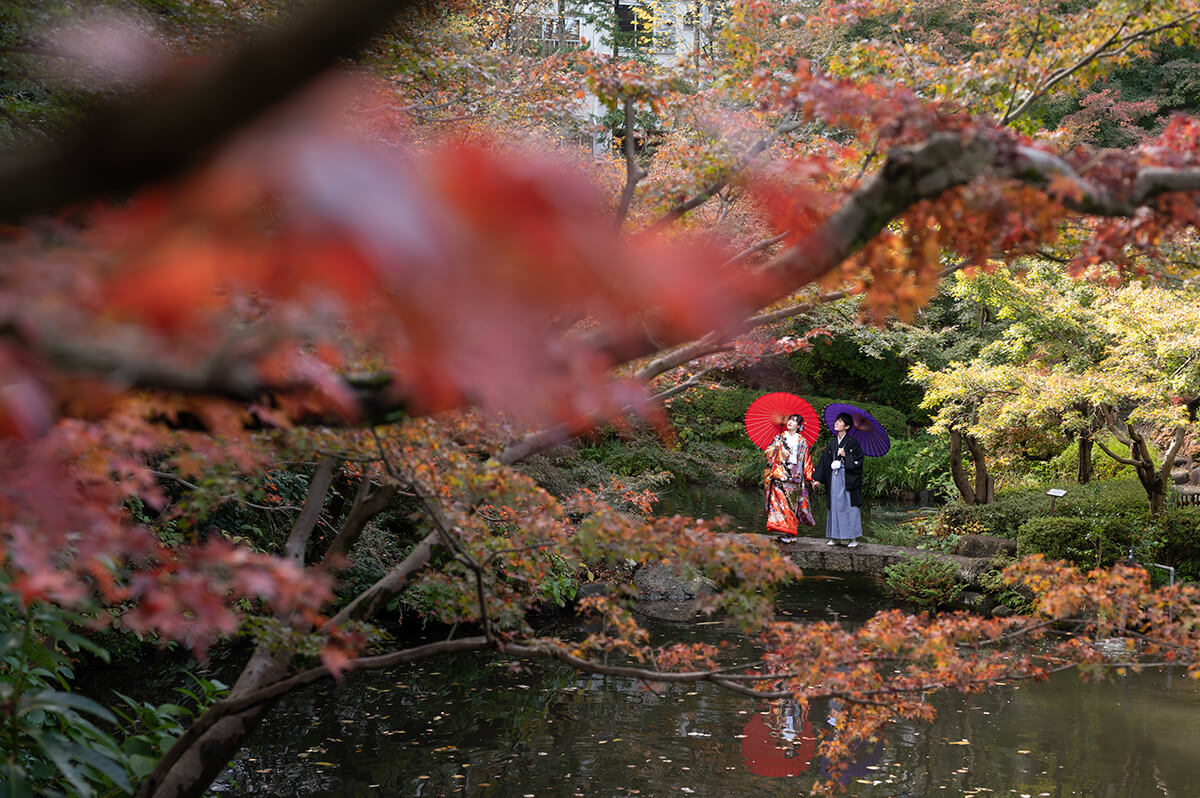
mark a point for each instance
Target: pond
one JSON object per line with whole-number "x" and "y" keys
{"x": 480, "y": 726}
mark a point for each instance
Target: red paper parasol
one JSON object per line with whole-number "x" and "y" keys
{"x": 767, "y": 413}
{"x": 865, "y": 429}
{"x": 763, "y": 755}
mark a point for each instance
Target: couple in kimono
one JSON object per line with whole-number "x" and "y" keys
{"x": 790, "y": 470}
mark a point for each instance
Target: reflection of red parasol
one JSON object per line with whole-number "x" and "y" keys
{"x": 763, "y": 755}
{"x": 866, "y": 430}
{"x": 767, "y": 413}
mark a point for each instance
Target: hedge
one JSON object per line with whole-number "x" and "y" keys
{"x": 1057, "y": 537}
{"x": 1094, "y": 524}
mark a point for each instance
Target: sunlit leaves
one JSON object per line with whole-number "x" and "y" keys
{"x": 1068, "y": 349}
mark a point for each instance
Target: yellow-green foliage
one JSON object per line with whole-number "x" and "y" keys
{"x": 1071, "y": 351}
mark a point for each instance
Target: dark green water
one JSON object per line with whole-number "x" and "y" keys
{"x": 482, "y": 727}
{"x": 473, "y": 726}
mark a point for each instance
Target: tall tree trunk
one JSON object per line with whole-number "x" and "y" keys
{"x": 1153, "y": 478}
{"x": 562, "y": 25}
{"x": 1084, "y": 473}
{"x": 616, "y": 31}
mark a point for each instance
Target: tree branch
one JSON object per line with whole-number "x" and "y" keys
{"x": 633, "y": 172}
{"x": 1100, "y": 51}
{"x": 272, "y": 508}
{"x": 712, "y": 189}
{"x": 766, "y": 243}
{"x": 1117, "y": 457}
{"x": 369, "y": 501}
{"x": 159, "y": 133}
{"x": 1168, "y": 461}
{"x": 395, "y": 582}
{"x": 690, "y": 382}
{"x": 297, "y": 541}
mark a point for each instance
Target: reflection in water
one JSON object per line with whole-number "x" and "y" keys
{"x": 746, "y": 508}
{"x": 779, "y": 742}
{"x": 478, "y": 727}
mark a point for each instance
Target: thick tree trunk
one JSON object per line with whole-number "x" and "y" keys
{"x": 187, "y": 770}
{"x": 198, "y": 762}
{"x": 1157, "y": 496}
{"x": 956, "y": 469}
{"x": 1084, "y": 473}
{"x": 1154, "y": 478}
{"x": 984, "y": 489}
{"x": 985, "y": 484}
{"x": 1148, "y": 474}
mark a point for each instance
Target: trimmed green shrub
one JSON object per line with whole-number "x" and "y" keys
{"x": 1057, "y": 537}
{"x": 704, "y": 411}
{"x": 1110, "y": 518}
{"x": 1002, "y": 518}
{"x": 925, "y": 581}
{"x": 1181, "y": 542}
{"x": 1121, "y": 497}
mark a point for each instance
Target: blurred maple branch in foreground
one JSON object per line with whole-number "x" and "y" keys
{"x": 171, "y": 126}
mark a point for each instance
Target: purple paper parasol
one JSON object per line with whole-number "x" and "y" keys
{"x": 865, "y": 429}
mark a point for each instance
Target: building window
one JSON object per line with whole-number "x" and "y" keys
{"x": 640, "y": 28}
{"x": 552, "y": 33}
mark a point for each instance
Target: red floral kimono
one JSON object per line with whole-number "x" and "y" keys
{"x": 786, "y": 482}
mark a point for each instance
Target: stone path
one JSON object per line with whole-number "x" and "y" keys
{"x": 868, "y": 558}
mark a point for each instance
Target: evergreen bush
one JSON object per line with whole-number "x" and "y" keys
{"x": 1181, "y": 542}
{"x": 925, "y": 581}
{"x": 1002, "y": 518}
{"x": 910, "y": 466}
{"x": 1056, "y": 537}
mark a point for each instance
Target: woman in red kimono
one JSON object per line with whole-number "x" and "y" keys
{"x": 789, "y": 468}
